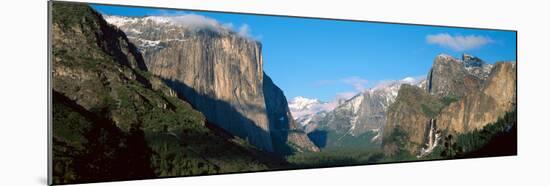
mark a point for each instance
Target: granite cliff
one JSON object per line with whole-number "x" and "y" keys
{"x": 220, "y": 73}
{"x": 461, "y": 95}
{"x": 113, "y": 120}
{"x": 454, "y": 77}
{"x": 411, "y": 112}
{"x": 475, "y": 110}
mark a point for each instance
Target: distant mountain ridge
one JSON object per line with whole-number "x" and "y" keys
{"x": 305, "y": 109}
{"x": 361, "y": 114}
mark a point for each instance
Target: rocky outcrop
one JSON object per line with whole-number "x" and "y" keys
{"x": 363, "y": 112}
{"x": 411, "y": 112}
{"x": 454, "y": 77}
{"x": 222, "y": 76}
{"x": 460, "y": 96}
{"x": 357, "y": 120}
{"x": 112, "y": 120}
{"x": 373, "y": 110}
{"x": 283, "y": 128}
{"x": 218, "y": 71}
{"x": 92, "y": 61}
{"x": 480, "y": 108}
{"x": 476, "y": 67}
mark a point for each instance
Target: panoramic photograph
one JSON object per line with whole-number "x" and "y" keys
{"x": 143, "y": 93}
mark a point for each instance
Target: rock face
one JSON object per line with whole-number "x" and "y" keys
{"x": 460, "y": 96}
{"x": 365, "y": 113}
{"x": 454, "y": 77}
{"x": 218, "y": 71}
{"x": 411, "y": 112}
{"x": 76, "y": 61}
{"x": 112, "y": 120}
{"x": 479, "y": 108}
{"x": 307, "y": 111}
{"x": 283, "y": 127}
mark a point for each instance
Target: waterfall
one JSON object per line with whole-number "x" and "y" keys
{"x": 431, "y": 133}
{"x": 432, "y": 139}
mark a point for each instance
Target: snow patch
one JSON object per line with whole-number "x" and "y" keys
{"x": 145, "y": 42}
{"x": 304, "y": 109}
{"x": 135, "y": 31}
{"x": 353, "y": 106}
{"x": 120, "y": 20}
{"x": 175, "y": 39}
{"x": 408, "y": 80}
{"x": 191, "y": 22}
{"x": 446, "y": 57}
{"x": 300, "y": 103}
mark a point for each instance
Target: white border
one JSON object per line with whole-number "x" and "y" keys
{"x": 24, "y": 107}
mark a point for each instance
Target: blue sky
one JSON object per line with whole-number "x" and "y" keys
{"x": 323, "y": 58}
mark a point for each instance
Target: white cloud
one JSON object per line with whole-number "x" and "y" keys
{"x": 228, "y": 25}
{"x": 196, "y": 22}
{"x": 358, "y": 83}
{"x": 458, "y": 42}
{"x": 244, "y": 31}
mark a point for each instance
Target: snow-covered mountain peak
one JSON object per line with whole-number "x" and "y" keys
{"x": 174, "y": 27}
{"x": 304, "y": 109}
{"x": 307, "y": 110}
{"x": 353, "y": 103}
{"x": 393, "y": 86}
{"x": 300, "y": 103}
{"x": 408, "y": 80}
{"x": 120, "y": 20}
{"x": 188, "y": 21}
{"x": 446, "y": 57}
